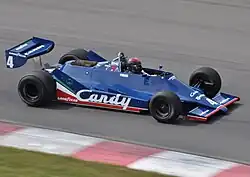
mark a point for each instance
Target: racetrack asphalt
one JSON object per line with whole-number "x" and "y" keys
{"x": 180, "y": 34}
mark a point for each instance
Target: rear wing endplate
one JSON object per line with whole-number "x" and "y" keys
{"x": 18, "y": 55}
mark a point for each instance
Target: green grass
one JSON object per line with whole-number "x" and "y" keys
{"x": 21, "y": 163}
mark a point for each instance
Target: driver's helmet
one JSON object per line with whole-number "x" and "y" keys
{"x": 134, "y": 65}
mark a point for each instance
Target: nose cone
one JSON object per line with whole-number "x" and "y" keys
{"x": 205, "y": 101}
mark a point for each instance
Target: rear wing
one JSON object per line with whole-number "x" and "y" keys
{"x": 35, "y": 47}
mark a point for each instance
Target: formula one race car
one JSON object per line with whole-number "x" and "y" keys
{"x": 82, "y": 77}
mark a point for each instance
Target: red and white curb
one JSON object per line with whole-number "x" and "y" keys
{"x": 118, "y": 153}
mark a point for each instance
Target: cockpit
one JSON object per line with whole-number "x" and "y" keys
{"x": 118, "y": 64}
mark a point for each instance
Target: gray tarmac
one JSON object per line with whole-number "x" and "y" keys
{"x": 180, "y": 34}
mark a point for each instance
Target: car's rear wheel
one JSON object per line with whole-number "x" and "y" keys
{"x": 37, "y": 89}
{"x": 165, "y": 107}
{"x": 206, "y": 79}
{"x": 76, "y": 54}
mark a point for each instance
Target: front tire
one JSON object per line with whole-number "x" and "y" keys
{"x": 37, "y": 89}
{"x": 165, "y": 107}
{"x": 207, "y": 79}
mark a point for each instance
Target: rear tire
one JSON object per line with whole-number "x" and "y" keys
{"x": 37, "y": 89}
{"x": 206, "y": 74}
{"x": 76, "y": 54}
{"x": 165, "y": 107}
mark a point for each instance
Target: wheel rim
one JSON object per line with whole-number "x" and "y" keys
{"x": 31, "y": 92}
{"x": 163, "y": 110}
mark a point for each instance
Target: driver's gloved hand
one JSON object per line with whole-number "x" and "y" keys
{"x": 121, "y": 54}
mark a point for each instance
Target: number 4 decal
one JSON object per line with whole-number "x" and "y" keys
{"x": 10, "y": 62}
{"x": 211, "y": 102}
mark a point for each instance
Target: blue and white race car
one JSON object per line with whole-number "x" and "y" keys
{"x": 82, "y": 77}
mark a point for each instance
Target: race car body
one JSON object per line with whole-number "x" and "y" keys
{"x": 85, "y": 78}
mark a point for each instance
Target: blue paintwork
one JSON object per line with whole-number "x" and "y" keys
{"x": 133, "y": 85}
{"x": 92, "y": 56}
{"x": 102, "y": 79}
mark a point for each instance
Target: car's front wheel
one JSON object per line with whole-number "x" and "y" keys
{"x": 207, "y": 79}
{"x": 165, "y": 107}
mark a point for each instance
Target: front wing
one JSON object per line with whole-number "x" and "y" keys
{"x": 201, "y": 113}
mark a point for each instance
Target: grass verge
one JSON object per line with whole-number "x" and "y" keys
{"x": 22, "y": 163}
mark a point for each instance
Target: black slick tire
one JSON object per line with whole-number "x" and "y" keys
{"x": 165, "y": 107}
{"x": 37, "y": 89}
{"x": 208, "y": 75}
{"x": 76, "y": 54}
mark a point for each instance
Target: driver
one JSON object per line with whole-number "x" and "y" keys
{"x": 134, "y": 66}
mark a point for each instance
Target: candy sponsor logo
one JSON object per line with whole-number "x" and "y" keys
{"x": 86, "y": 96}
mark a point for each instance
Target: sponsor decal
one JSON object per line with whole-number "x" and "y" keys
{"x": 224, "y": 101}
{"x": 21, "y": 46}
{"x": 35, "y": 49}
{"x": 172, "y": 78}
{"x": 204, "y": 112}
{"x": 211, "y": 102}
{"x": 68, "y": 99}
{"x": 200, "y": 96}
{"x": 69, "y": 81}
{"x": 193, "y": 93}
{"x": 124, "y": 75}
{"x": 17, "y": 54}
{"x": 89, "y": 96}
